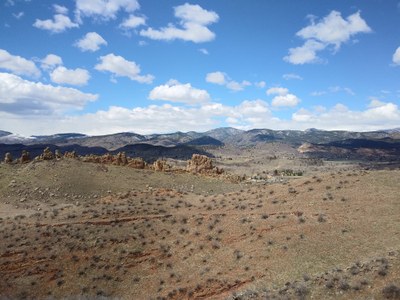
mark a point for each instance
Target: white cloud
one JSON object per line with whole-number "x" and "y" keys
{"x": 305, "y": 54}
{"x": 150, "y": 119}
{"x": 59, "y": 9}
{"x": 59, "y": 24}
{"x": 171, "y": 118}
{"x": 204, "y": 51}
{"x": 216, "y": 77}
{"x": 51, "y": 61}
{"x": 62, "y": 75}
{"x": 132, "y": 22}
{"x": 104, "y": 9}
{"x": 260, "y": 84}
{"x": 396, "y": 56}
{"x": 237, "y": 86}
{"x": 283, "y": 98}
{"x": 221, "y": 78}
{"x": 277, "y": 91}
{"x": 378, "y": 115}
{"x": 177, "y": 92}
{"x": 291, "y": 76}
{"x": 332, "y": 90}
{"x": 120, "y": 67}
{"x": 193, "y": 20}
{"x": 332, "y": 30}
{"x": 23, "y": 97}
{"x": 17, "y": 64}
{"x": 90, "y": 42}
{"x": 18, "y": 15}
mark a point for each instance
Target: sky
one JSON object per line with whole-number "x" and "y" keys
{"x": 150, "y": 66}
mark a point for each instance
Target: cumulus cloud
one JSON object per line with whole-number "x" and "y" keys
{"x": 221, "y": 78}
{"x": 59, "y": 9}
{"x": 332, "y": 30}
{"x": 133, "y": 22}
{"x": 170, "y": 118}
{"x": 305, "y": 54}
{"x": 104, "y": 9}
{"x": 62, "y": 75}
{"x": 396, "y": 56}
{"x": 283, "y": 98}
{"x": 17, "y": 64}
{"x": 51, "y": 61}
{"x": 59, "y": 24}
{"x": 23, "y": 97}
{"x": 277, "y": 91}
{"x": 150, "y": 119}
{"x": 237, "y": 86}
{"x": 377, "y": 115}
{"x": 120, "y": 67}
{"x": 193, "y": 20}
{"x": 177, "y": 92}
{"x": 216, "y": 77}
{"x": 91, "y": 42}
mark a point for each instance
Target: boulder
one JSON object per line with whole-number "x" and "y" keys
{"x": 8, "y": 158}
{"x": 137, "y": 163}
{"x": 71, "y": 154}
{"x": 202, "y": 164}
{"x": 25, "y": 157}
{"x": 58, "y": 154}
{"x": 47, "y": 154}
{"x": 120, "y": 159}
{"x": 161, "y": 165}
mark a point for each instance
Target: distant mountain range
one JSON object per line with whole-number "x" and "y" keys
{"x": 182, "y": 145}
{"x": 215, "y": 137}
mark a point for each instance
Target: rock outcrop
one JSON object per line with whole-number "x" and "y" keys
{"x": 58, "y": 154}
{"x": 161, "y": 165}
{"x": 137, "y": 163}
{"x": 201, "y": 164}
{"x": 120, "y": 159}
{"x": 25, "y": 157}
{"x": 71, "y": 154}
{"x": 8, "y": 158}
{"x": 47, "y": 154}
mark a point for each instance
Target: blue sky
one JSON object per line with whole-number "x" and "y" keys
{"x": 106, "y": 66}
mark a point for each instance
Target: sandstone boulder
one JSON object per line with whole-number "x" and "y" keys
{"x": 137, "y": 163}
{"x": 201, "y": 164}
{"x": 120, "y": 159}
{"x": 161, "y": 165}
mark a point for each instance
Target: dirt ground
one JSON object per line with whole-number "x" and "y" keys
{"x": 87, "y": 231}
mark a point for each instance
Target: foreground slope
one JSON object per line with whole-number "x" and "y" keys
{"x": 72, "y": 228}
